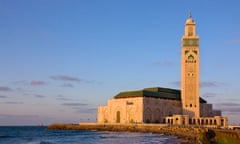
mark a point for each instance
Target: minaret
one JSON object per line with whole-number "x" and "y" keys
{"x": 190, "y": 70}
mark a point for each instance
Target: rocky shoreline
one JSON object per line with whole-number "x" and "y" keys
{"x": 186, "y": 135}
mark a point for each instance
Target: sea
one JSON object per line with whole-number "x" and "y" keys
{"x": 40, "y": 135}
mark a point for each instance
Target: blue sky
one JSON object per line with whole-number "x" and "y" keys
{"x": 60, "y": 59}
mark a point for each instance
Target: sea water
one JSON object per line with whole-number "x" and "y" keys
{"x": 40, "y": 135}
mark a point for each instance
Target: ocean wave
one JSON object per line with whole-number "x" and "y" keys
{"x": 6, "y": 136}
{"x": 35, "y": 135}
{"x": 45, "y": 142}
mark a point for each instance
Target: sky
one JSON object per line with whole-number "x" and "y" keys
{"x": 61, "y": 59}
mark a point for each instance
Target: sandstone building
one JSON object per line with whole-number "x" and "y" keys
{"x": 165, "y": 105}
{"x": 190, "y": 70}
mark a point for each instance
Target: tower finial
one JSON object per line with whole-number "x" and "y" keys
{"x": 190, "y": 15}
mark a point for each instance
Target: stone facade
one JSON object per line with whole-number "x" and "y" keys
{"x": 126, "y": 110}
{"x": 150, "y": 105}
{"x": 184, "y": 120}
{"x": 156, "y": 109}
{"x": 206, "y": 110}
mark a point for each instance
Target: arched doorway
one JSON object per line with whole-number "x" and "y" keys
{"x": 131, "y": 116}
{"x": 148, "y": 115}
{"x": 118, "y": 117}
{"x": 157, "y": 116}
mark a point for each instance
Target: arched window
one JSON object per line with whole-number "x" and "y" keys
{"x": 215, "y": 122}
{"x": 194, "y": 121}
{"x": 206, "y": 121}
{"x": 190, "y": 121}
{"x": 202, "y": 121}
{"x": 222, "y": 122}
{"x": 198, "y": 121}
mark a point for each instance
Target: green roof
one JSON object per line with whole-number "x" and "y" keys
{"x": 155, "y": 92}
{"x": 202, "y": 100}
{"x": 159, "y": 89}
{"x": 151, "y": 92}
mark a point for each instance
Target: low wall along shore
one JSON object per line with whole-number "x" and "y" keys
{"x": 186, "y": 134}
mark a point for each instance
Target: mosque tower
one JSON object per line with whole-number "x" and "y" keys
{"x": 190, "y": 70}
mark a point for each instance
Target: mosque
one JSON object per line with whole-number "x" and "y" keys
{"x": 166, "y": 105}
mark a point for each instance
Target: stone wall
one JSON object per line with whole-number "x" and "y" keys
{"x": 155, "y": 110}
{"x": 206, "y": 110}
{"x": 126, "y": 110}
{"x": 138, "y": 110}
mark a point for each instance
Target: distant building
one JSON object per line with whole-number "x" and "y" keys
{"x": 165, "y": 105}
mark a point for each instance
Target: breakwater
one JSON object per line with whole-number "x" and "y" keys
{"x": 186, "y": 134}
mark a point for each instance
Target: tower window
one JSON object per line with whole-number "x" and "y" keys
{"x": 190, "y": 105}
{"x": 190, "y": 31}
{"x": 195, "y": 51}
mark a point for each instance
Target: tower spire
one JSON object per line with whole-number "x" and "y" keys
{"x": 190, "y": 14}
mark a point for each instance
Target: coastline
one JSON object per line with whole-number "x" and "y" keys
{"x": 185, "y": 135}
{"x": 193, "y": 135}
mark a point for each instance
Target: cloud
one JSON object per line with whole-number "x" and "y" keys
{"x": 24, "y": 119}
{"x": 32, "y": 83}
{"x": 11, "y": 115}
{"x": 202, "y": 84}
{"x": 21, "y": 82}
{"x": 86, "y": 110}
{"x": 176, "y": 83}
{"x": 208, "y": 95}
{"x": 4, "y": 88}
{"x": 60, "y": 95}
{"x": 21, "y": 119}
{"x": 37, "y": 83}
{"x": 233, "y": 117}
{"x": 27, "y": 94}
{"x": 231, "y": 107}
{"x": 74, "y": 104}
{"x": 3, "y": 96}
{"x": 228, "y": 104}
{"x": 232, "y": 99}
{"x": 67, "y": 85}
{"x": 64, "y": 99}
{"x": 65, "y": 78}
{"x": 39, "y": 96}
{"x": 10, "y": 102}
{"x": 88, "y": 81}
{"x": 211, "y": 84}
